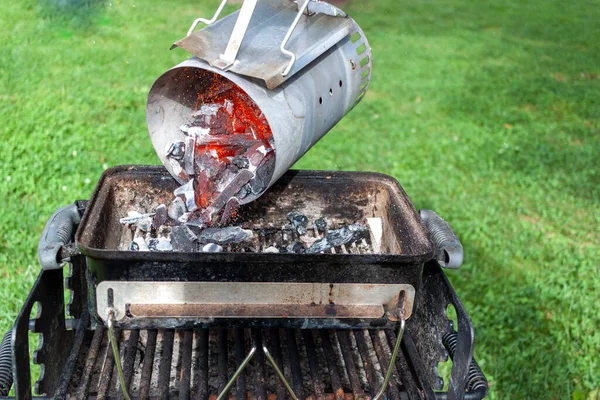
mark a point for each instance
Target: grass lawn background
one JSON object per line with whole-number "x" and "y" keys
{"x": 487, "y": 112}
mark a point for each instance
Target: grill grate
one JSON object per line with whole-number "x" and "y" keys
{"x": 197, "y": 363}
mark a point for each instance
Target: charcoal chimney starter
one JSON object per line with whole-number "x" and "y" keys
{"x": 329, "y": 75}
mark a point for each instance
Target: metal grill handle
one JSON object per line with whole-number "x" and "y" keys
{"x": 449, "y": 250}
{"x": 58, "y": 233}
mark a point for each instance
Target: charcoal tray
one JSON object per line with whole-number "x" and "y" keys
{"x": 342, "y": 197}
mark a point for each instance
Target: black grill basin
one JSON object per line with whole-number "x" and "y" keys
{"x": 342, "y": 197}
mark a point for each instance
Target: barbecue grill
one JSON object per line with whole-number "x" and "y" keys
{"x": 195, "y": 358}
{"x": 331, "y": 286}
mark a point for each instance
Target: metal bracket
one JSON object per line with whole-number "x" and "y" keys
{"x": 388, "y": 374}
{"x": 110, "y": 319}
{"x": 310, "y": 7}
{"x": 378, "y": 396}
{"x": 207, "y": 21}
{"x": 228, "y": 58}
{"x": 243, "y": 366}
{"x": 237, "y": 35}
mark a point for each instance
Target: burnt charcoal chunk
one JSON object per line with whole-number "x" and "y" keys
{"x": 227, "y": 235}
{"x": 319, "y": 246}
{"x": 186, "y": 192}
{"x": 145, "y": 224}
{"x": 262, "y": 176}
{"x": 183, "y": 239}
{"x": 176, "y": 208}
{"x": 347, "y": 234}
{"x": 160, "y": 244}
{"x": 152, "y": 243}
{"x": 240, "y": 162}
{"x": 296, "y": 247}
{"x": 299, "y": 221}
{"x": 164, "y": 244}
{"x": 244, "y": 192}
{"x": 230, "y": 210}
{"x": 321, "y": 224}
{"x": 175, "y": 150}
{"x": 160, "y": 216}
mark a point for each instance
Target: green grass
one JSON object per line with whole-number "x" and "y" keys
{"x": 487, "y": 112}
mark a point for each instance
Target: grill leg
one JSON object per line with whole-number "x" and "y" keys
{"x": 222, "y": 362}
{"x": 240, "y": 370}
{"x": 240, "y": 350}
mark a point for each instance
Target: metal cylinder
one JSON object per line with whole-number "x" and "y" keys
{"x": 299, "y": 112}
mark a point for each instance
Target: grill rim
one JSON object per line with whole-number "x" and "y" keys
{"x": 421, "y": 247}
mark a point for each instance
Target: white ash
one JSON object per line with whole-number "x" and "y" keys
{"x": 139, "y": 244}
{"x": 133, "y": 217}
{"x": 212, "y": 248}
{"x": 144, "y": 224}
{"x": 208, "y": 109}
{"x": 227, "y": 235}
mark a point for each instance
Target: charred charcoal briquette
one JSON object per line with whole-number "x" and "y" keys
{"x": 176, "y": 208}
{"x": 263, "y": 174}
{"x": 145, "y": 224}
{"x": 175, "y": 150}
{"x": 227, "y": 235}
{"x": 152, "y": 243}
{"x": 186, "y": 191}
{"x": 240, "y": 162}
{"x": 188, "y": 156}
{"x": 160, "y": 244}
{"x": 164, "y": 244}
{"x": 296, "y": 247}
{"x": 299, "y": 221}
{"x": 244, "y": 192}
{"x": 133, "y": 217}
{"x": 183, "y": 239}
{"x": 160, "y": 216}
{"x": 347, "y": 234}
{"x": 321, "y": 224}
{"x": 230, "y": 209}
{"x": 319, "y": 246}
{"x": 138, "y": 244}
